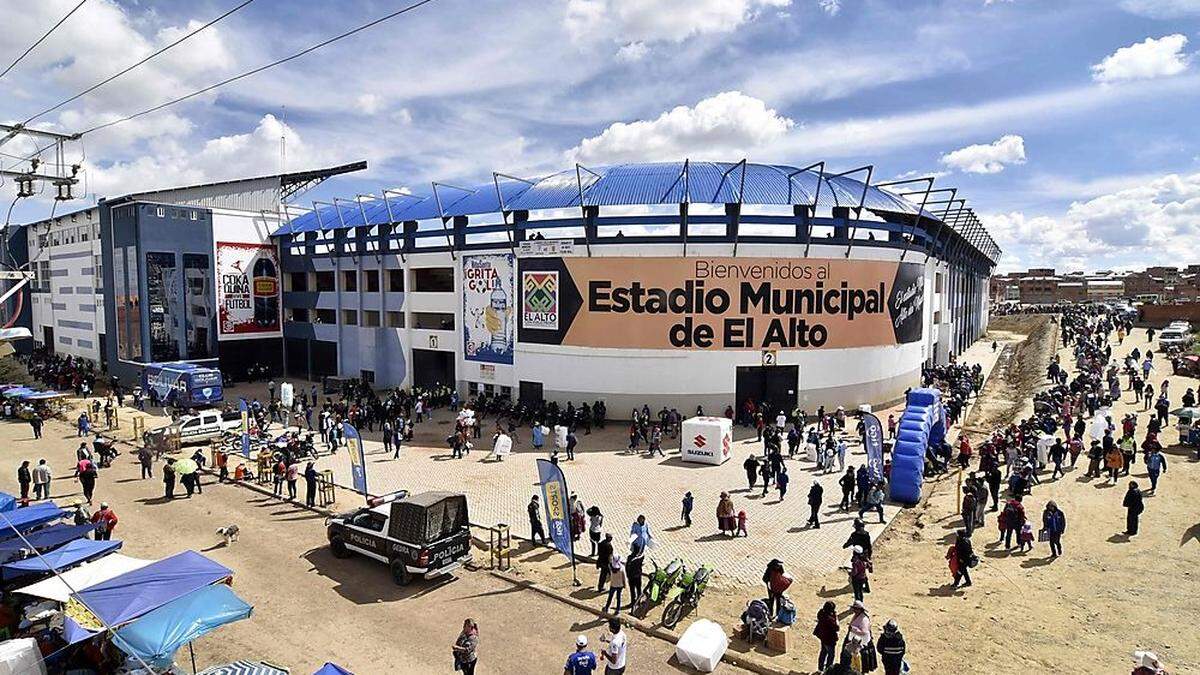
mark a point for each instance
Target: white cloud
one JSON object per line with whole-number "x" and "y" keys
{"x": 1161, "y": 9}
{"x": 726, "y": 125}
{"x": 1150, "y": 58}
{"x": 632, "y": 52}
{"x": 830, "y": 7}
{"x": 786, "y": 76}
{"x": 658, "y": 20}
{"x": 1137, "y": 226}
{"x": 226, "y": 157}
{"x": 369, "y": 104}
{"x": 988, "y": 157}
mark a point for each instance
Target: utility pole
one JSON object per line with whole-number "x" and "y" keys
{"x": 57, "y": 172}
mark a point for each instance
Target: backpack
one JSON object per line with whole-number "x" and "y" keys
{"x": 1011, "y": 516}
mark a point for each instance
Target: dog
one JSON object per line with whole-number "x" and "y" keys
{"x": 229, "y": 532}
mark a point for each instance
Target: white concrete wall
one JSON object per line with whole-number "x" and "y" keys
{"x": 65, "y": 253}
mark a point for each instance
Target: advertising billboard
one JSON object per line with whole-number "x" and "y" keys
{"x": 720, "y": 303}
{"x": 247, "y": 290}
{"x": 489, "y": 321}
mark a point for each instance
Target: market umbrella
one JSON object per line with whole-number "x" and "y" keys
{"x": 332, "y": 669}
{"x": 244, "y": 668}
{"x": 1186, "y": 413}
{"x": 158, "y": 634}
{"x": 184, "y": 466}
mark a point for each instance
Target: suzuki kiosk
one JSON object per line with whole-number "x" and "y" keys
{"x": 706, "y": 440}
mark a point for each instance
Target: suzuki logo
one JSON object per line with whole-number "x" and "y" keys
{"x": 700, "y": 440}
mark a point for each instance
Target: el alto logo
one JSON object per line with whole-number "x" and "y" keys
{"x": 700, "y": 440}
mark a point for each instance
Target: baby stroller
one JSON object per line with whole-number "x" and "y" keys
{"x": 755, "y": 621}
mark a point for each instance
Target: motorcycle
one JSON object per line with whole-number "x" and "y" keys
{"x": 660, "y": 580}
{"x": 685, "y": 596}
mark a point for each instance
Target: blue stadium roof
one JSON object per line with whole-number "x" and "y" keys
{"x": 617, "y": 185}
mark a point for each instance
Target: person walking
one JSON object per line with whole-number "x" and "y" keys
{"x": 891, "y": 648}
{"x": 1054, "y": 524}
{"x": 1156, "y": 464}
{"x": 536, "y": 531}
{"x": 961, "y": 556}
{"x": 860, "y": 569}
{"x": 85, "y": 471}
{"x": 874, "y": 502}
{"x": 41, "y": 480}
{"x": 604, "y": 554}
{"x": 686, "y": 513}
{"x": 25, "y": 479}
{"x": 781, "y": 482}
{"x": 814, "y": 505}
{"x": 615, "y": 650}
{"x": 465, "y": 646}
{"x": 616, "y": 582}
{"x": 310, "y": 485}
{"x": 847, "y": 483}
{"x": 750, "y": 466}
{"x": 1134, "y": 505}
{"x": 726, "y": 514}
{"x": 146, "y": 460}
{"x": 35, "y": 423}
{"x": 827, "y": 632}
{"x": 105, "y": 521}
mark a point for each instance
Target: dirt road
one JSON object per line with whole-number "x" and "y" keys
{"x": 310, "y": 607}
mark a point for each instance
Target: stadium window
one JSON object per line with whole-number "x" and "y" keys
{"x": 326, "y": 316}
{"x": 395, "y": 281}
{"x": 433, "y": 321}
{"x": 325, "y": 281}
{"x": 395, "y": 319}
{"x": 299, "y": 314}
{"x": 350, "y": 317}
{"x": 433, "y": 280}
{"x": 299, "y": 281}
{"x": 98, "y": 272}
{"x": 350, "y": 280}
{"x": 370, "y": 318}
{"x": 371, "y": 280}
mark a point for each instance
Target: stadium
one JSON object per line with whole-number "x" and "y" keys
{"x": 678, "y": 284}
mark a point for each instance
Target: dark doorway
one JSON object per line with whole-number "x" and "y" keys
{"x": 48, "y": 338}
{"x": 324, "y": 355}
{"x": 432, "y": 368}
{"x": 297, "y": 357}
{"x": 530, "y": 393}
{"x": 777, "y": 385}
{"x": 103, "y": 353}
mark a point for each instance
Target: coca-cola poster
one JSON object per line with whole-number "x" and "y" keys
{"x": 247, "y": 289}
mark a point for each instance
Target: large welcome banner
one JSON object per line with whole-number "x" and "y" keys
{"x": 720, "y": 303}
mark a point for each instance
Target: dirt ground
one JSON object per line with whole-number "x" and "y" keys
{"x": 310, "y": 607}
{"x": 1082, "y": 613}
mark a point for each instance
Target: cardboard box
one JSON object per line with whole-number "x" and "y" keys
{"x": 777, "y": 639}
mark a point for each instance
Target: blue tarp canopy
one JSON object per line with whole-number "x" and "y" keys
{"x": 123, "y": 599}
{"x": 41, "y": 395}
{"x": 44, "y": 539}
{"x": 28, "y": 518}
{"x": 7, "y": 502}
{"x": 17, "y": 391}
{"x": 159, "y": 633}
{"x": 332, "y": 669}
{"x": 60, "y": 559}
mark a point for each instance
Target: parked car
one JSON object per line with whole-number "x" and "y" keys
{"x": 427, "y": 534}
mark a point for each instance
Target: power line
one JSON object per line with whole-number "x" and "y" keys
{"x": 39, "y": 40}
{"x": 96, "y": 86}
{"x": 255, "y": 71}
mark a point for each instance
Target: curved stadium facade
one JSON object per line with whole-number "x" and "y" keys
{"x": 678, "y": 284}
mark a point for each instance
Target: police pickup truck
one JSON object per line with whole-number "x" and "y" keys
{"x": 426, "y": 534}
{"x": 208, "y": 424}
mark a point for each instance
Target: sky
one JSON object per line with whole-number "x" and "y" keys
{"x": 1071, "y": 126}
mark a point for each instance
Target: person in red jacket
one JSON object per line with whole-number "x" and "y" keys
{"x": 105, "y": 521}
{"x": 827, "y": 631}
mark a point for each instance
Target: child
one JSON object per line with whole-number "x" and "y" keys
{"x": 1026, "y": 536}
{"x": 741, "y": 531}
{"x": 686, "y": 515}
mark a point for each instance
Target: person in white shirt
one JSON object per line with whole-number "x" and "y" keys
{"x": 614, "y": 653}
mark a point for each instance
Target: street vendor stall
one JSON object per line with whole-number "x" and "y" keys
{"x": 83, "y": 577}
{"x": 60, "y": 559}
{"x": 157, "y": 635}
{"x": 44, "y": 539}
{"x": 23, "y": 520}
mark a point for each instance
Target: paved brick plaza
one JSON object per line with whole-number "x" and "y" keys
{"x": 625, "y": 485}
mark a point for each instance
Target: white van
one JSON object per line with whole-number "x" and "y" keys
{"x": 1174, "y": 337}
{"x": 207, "y": 425}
